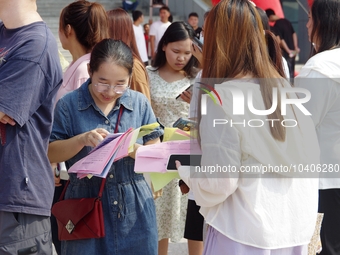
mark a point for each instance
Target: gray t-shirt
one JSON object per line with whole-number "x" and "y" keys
{"x": 30, "y": 75}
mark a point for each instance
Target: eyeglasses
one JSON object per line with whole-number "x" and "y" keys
{"x": 119, "y": 89}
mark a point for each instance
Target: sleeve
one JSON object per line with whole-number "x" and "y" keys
{"x": 61, "y": 122}
{"x": 193, "y": 110}
{"x": 285, "y": 68}
{"x": 323, "y": 93}
{"x": 152, "y": 31}
{"x": 140, "y": 80}
{"x": 220, "y": 146}
{"x": 23, "y": 89}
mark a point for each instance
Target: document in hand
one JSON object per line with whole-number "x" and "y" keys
{"x": 154, "y": 157}
{"x": 99, "y": 161}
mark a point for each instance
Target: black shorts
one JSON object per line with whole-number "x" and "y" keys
{"x": 193, "y": 222}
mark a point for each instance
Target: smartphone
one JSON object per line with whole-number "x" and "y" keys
{"x": 184, "y": 124}
{"x": 185, "y": 159}
{"x": 198, "y": 43}
{"x": 187, "y": 89}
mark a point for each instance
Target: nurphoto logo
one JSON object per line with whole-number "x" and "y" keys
{"x": 239, "y": 105}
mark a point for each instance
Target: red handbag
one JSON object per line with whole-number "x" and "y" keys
{"x": 80, "y": 218}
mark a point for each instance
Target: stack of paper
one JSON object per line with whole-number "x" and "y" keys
{"x": 114, "y": 147}
{"x": 153, "y": 158}
{"x": 99, "y": 161}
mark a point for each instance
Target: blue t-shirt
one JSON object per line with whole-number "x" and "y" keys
{"x": 30, "y": 75}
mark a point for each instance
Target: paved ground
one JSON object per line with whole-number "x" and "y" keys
{"x": 174, "y": 248}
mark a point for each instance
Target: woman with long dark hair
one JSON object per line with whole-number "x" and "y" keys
{"x": 173, "y": 71}
{"x": 321, "y": 76}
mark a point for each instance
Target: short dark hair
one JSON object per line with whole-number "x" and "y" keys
{"x": 270, "y": 12}
{"x": 177, "y": 31}
{"x": 193, "y": 14}
{"x": 136, "y": 15}
{"x": 164, "y": 7}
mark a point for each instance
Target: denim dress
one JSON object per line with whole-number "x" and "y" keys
{"x": 129, "y": 210}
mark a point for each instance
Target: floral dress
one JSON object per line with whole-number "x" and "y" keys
{"x": 171, "y": 207}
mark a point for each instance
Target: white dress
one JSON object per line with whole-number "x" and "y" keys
{"x": 171, "y": 207}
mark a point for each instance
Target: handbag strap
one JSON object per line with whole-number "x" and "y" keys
{"x": 121, "y": 109}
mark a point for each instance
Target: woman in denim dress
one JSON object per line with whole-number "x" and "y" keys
{"x": 82, "y": 119}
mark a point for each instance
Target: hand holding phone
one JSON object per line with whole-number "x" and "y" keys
{"x": 189, "y": 89}
{"x": 185, "y": 159}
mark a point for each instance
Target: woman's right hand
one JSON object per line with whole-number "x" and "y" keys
{"x": 94, "y": 137}
{"x": 186, "y": 96}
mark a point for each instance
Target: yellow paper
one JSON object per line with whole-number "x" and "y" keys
{"x": 159, "y": 180}
{"x": 140, "y": 132}
{"x": 170, "y": 134}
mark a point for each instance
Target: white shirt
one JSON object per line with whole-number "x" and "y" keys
{"x": 268, "y": 211}
{"x": 321, "y": 76}
{"x": 285, "y": 68}
{"x": 140, "y": 40}
{"x": 158, "y": 29}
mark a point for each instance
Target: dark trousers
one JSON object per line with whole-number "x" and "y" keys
{"x": 329, "y": 204}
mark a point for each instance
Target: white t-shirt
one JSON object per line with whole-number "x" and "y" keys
{"x": 267, "y": 211}
{"x": 321, "y": 77}
{"x": 158, "y": 29}
{"x": 140, "y": 40}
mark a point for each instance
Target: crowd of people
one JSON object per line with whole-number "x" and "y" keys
{"x": 122, "y": 77}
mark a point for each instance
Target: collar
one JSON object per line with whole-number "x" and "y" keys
{"x": 85, "y": 99}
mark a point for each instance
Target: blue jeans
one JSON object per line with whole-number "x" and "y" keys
{"x": 130, "y": 7}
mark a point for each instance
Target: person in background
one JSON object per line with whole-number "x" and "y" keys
{"x": 193, "y": 21}
{"x": 102, "y": 105}
{"x": 158, "y": 28}
{"x": 121, "y": 28}
{"x": 250, "y": 212}
{"x": 321, "y": 77}
{"x": 288, "y": 39}
{"x": 82, "y": 25}
{"x": 273, "y": 46}
{"x": 30, "y": 76}
{"x": 138, "y": 19}
{"x": 173, "y": 71}
{"x": 146, "y": 27}
{"x": 130, "y": 5}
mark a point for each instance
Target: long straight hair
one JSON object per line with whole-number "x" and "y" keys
{"x": 121, "y": 28}
{"x": 326, "y": 29}
{"x": 237, "y": 47}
